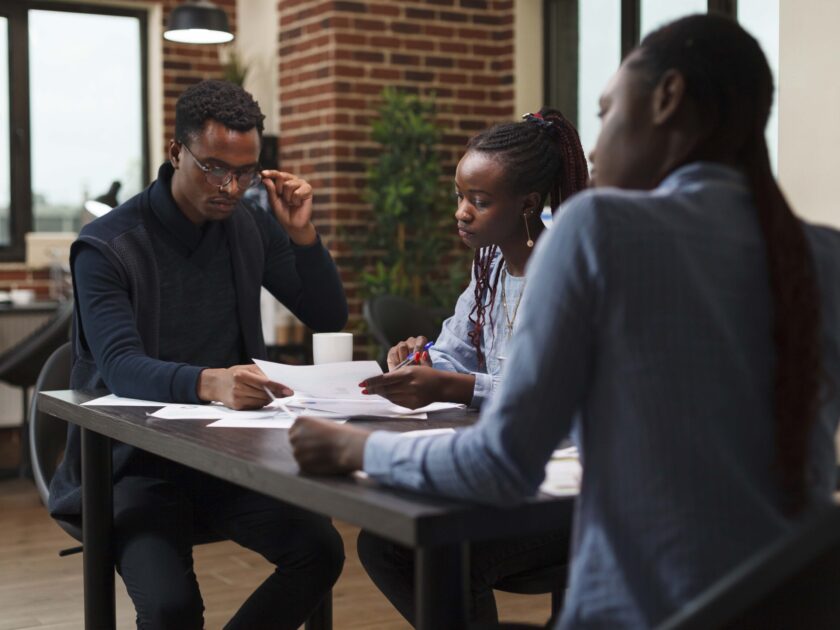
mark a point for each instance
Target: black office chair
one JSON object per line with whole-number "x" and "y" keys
{"x": 21, "y": 364}
{"x": 391, "y": 319}
{"x": 550, "y": 579}
{"x": 793, "y": 583}
{"x": 48, "y": 434}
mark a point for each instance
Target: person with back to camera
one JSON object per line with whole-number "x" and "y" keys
{"x": 168, "y": 309}
{"x": 682, "y": 321}
{"x": 502, "y": 183}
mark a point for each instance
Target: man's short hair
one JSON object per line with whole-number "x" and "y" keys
{"x": 222, "y": 101}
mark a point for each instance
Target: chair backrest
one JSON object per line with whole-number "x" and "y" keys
{"x": 392, "y": 318}
{"x": 48, "y": 434}
{"x": 793, "y": 583}
{"x": 21, "y": 364}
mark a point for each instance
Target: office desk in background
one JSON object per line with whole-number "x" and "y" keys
{"x": 16, "y": 322}
{"x": 438, "y": 530}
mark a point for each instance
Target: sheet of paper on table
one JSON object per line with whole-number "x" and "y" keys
{"x": 327, "y": 380}
{"x": 563, "y": 473}
{"x": 118, "y": 401}
{"x": 217, "y": 411}
{"x": 376, "y": 406}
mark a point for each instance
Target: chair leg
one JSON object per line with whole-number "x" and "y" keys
{"x": 25, "y": 468}
{"x": 556, "y": 604}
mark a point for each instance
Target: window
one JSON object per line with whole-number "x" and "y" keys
{"x": 655, "y": 13}
{"x": 761, "y": 19}
{"x": 586, "y": 39}
{"x": 600, "y": 55}
{"x": 5, "y": 152}
{"x": 77, "y": 115}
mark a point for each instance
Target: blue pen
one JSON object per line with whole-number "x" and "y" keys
{"x": 411, "y": 356}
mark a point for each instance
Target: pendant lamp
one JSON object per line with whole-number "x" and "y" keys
{"x": 198, "y": 22}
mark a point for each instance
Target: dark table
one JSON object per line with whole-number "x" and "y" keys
{"x": 439, "y": 530}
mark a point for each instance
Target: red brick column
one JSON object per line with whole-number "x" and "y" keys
{"x": 335, "y": 58}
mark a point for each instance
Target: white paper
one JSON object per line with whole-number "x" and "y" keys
{"x": 563, "y": 473}
{"x": 117, "y": 401}
{"x": 370, "y": 406}
{"x": 328, "y": 380}
{"x": 215, "y": 412}
{"x": 275, "y": 423}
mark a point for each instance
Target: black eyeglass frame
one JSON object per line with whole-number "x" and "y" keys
{"x": 221, "y": 176}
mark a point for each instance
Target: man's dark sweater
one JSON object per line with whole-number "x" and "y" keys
{"x": 158, "y": 299}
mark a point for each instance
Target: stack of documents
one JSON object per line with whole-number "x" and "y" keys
{"x": 329, "y": 390}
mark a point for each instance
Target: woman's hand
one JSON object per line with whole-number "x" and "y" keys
{"x": 239, "y": 387}
{"x": 291, "y": 200}
{"x": 418, "y": 386}
{"x": 399, "y": 352}
{"x": 322, "y": 447}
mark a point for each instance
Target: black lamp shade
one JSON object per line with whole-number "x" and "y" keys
{"x": 199, "y": 22}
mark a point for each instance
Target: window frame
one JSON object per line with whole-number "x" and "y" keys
{"x": 560, "y": 80}
{"x": 20, "y": 146}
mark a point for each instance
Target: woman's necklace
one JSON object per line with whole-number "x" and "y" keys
{"x": 509, "y": 321}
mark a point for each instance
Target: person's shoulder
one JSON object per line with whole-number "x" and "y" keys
{"x": 123, "y": 218}
{"x": 825, "y": 244}
{"x": 595, "y": 205}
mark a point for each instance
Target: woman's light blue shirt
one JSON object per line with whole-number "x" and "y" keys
{"x": 453, "y": 350}
{"x": 647, "y": 325}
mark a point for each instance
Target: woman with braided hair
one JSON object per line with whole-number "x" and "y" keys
{"x": 507, "y": 175}
{"x": 686, "y": 324}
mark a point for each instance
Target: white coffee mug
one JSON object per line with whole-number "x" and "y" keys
{"x": 332, "y": 347}
{"x": 21, "y": 297}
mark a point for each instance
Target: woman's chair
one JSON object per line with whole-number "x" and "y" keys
{"x": 550, "y": 579}
{"x": 792, "y": 583}
{"x": 391, "y": 319}
{"x": 21, "y": 364}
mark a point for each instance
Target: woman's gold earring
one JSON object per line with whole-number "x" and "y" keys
{"x": 530, "y": 241}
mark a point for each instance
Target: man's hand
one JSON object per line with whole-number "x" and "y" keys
{"x": 322, "y": 447}
{"x": 417, "y": 386}
{"x": 291, "y": 200}
{"x": 239, "y": 387}
{"x": 398, "y": 353}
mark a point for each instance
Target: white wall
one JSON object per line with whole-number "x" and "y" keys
{"x": 809, "y": 107}
{"x": 528, "y": 56}
{"x": 256, "y": 43}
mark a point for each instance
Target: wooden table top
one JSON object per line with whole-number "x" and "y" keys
{"x": 261, "y": 459}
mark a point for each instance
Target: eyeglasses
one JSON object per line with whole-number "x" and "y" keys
{"x": 221, "y": 176}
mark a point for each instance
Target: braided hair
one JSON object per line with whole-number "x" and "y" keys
{"x": 727, "y": 76}
{"x": 541, "y": 154}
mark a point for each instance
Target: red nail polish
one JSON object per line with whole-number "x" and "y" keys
{"x": 425, "y": 356}
{"x": 364, "y": 391}
{"x": 363, "y": 384}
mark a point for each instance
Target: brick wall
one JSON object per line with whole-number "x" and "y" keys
{"x": 335, "y": 58}
{"x": 184, "y": 65}
{"x": 18, "y": 276}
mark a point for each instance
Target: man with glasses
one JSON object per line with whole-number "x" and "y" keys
{"x": 168, "y": 308}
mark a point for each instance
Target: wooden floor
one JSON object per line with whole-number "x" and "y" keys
{"x": 40, "y": 590}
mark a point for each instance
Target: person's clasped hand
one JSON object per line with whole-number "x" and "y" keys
{"x": 322, "y": 447}
{"x": 239, "y": 387}
{"x": 291, "y": 200}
